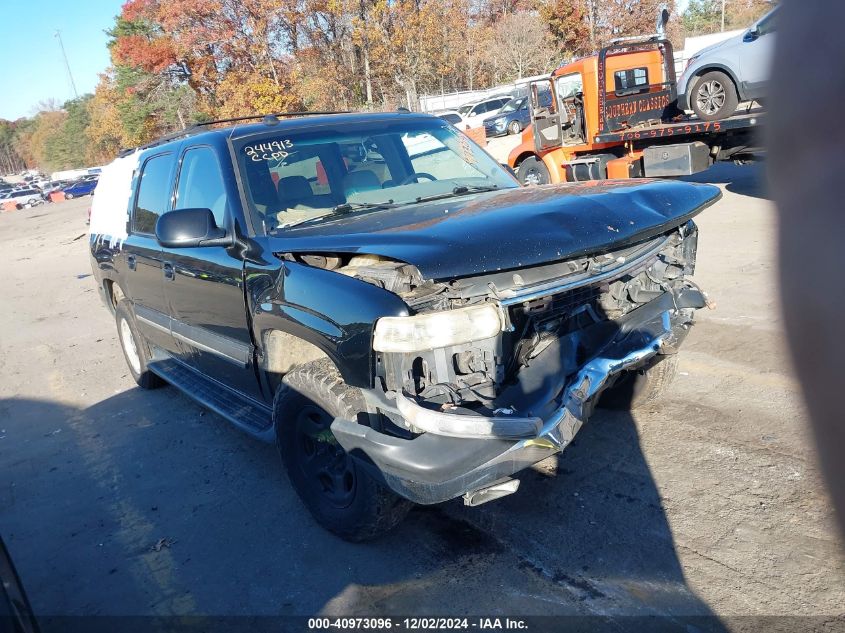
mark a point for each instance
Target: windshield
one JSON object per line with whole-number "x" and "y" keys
{"x": 464, "y": 109}
{"x": 317, "y": 175}
{"x": 513, "y": 104}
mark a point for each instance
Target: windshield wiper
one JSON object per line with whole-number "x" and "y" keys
{"x": 348, "y": 207}
{"x": 341, "y": 209}
{"x": 460, "y": 190}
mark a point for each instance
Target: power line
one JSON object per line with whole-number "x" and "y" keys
{"x": 67, "y": 64}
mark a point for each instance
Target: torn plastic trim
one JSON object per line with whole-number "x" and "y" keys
{"x": 560, "y": 427}
{"x": 432, "y": 468}
{"x": 556, "y": 286}
{"x": 469, "y": 426}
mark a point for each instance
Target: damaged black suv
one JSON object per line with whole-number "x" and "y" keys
{"x": 378, "y": 296}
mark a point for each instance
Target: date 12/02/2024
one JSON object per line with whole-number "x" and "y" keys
{"x": 417, "y": 624}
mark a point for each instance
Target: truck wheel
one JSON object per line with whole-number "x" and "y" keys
{"x": 714, "y": 96}
{"x": 341, "y": 495}
{"x": 638, "y": 387}
{"x": 135, "y": 348}
{"x": 532, "y": 171}
{"x": 514, "y": 127}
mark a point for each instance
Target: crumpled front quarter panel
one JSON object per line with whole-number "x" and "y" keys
{"x": 334, "y": 312}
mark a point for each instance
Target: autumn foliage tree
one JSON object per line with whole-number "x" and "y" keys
{"x": 177, "y": 62}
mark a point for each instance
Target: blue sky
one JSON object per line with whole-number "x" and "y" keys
{"x": 31, "y": 66}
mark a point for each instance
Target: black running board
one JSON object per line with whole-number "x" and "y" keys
{"x": 245, "y": 413}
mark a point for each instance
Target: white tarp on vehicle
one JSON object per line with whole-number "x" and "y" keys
{"x": 110, "y": 208}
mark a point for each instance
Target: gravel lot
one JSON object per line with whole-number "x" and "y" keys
{"x": 118, "y": 501}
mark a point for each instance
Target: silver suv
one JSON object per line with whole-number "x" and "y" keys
{"x": 718, "y": 77}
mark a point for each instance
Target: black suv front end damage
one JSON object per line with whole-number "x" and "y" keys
{"x": 493, "y": 373}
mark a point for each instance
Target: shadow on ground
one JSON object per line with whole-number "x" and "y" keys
{"x": 743, "y": 180}
{"x": 146, "y": 504}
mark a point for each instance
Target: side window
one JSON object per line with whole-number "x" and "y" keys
{"x": 153, "y": 194}
{"x": 768, "y": 24}
{"x": 569, "y": 85}
{"x": 201, "y": 183}
{"x": 630, "y": 78}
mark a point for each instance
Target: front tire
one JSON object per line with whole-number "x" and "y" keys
{"x": 339, "y": 493}
{"x": 638, "y": 387}
{"x": 714, "y": 96}
{"x": 68, "y": 196}
{"x": 136, "y": 351}
{"x": 514, "y": 127}
{"x": 532, "y": 171}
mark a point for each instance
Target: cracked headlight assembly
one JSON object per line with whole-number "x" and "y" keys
{"x": 437, "y": 329}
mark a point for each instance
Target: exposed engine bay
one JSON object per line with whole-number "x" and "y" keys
{"x": 569, "y": 307}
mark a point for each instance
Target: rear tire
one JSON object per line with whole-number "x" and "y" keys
{"x": 339, "y": 493}
{"x": 532, "y": 171}
{"x": 638, "y": 387}
{"x": 136, "y": 351}
{"x": 714, "y": 96}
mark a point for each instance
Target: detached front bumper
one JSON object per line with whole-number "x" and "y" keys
{"x": 437, "y": 466}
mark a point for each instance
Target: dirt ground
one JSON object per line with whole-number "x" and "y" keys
{"x": 118, "y": 501}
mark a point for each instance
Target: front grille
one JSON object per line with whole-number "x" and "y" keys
{"x": 563, "y": 312}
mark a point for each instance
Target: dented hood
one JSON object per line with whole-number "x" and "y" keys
{"x": 507, "y": 229}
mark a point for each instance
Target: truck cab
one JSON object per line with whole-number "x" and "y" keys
{"x": 625, "y": 85}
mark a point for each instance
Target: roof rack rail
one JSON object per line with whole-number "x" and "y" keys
{"x": 200, "y": 126}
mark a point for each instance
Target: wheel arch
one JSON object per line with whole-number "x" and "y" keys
{"x": 520, "y": 158}
{"x": 319, "y": 313}
{"x": 700, "y": 72}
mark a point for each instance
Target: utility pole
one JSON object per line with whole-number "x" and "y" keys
{"x": 67, "y": 65}
{"x": 723, "y": 16}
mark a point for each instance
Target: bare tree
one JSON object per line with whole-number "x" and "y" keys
{"x": 522, "y": 46}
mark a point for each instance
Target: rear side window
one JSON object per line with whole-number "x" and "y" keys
{"x": 201, "y": 183}
{"x": 153, "y": 194}
{"x": 630, "y": 78}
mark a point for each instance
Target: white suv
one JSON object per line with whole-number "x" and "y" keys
{"x": 26, "y": 196}
{"x": 473, "y": 114}
{"x": 737, "y": 69}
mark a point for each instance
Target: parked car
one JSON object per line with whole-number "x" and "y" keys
{"x": 53, "y": 186}
{"x": 737, "y": 69}
{"x": 451, "y": 116}
{"x": 83, "y": 187}
{"x": 407, "y": 327}
{"x": 473, "y": 114}
{"x": 26, "y": 196}
{"x": 511, "y": 119}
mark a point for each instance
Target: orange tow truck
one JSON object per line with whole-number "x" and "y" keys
{"x": 614, "y": 115}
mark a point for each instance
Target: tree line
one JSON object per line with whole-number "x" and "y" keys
{"x": 177, "y": 62}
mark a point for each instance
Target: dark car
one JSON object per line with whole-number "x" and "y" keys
{"x": 83, "y": 187}
{"x": 378, "y": 296}
{"x": 511, "y": 119}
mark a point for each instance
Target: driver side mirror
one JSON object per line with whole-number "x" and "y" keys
{"x": 187, "y": 228}
{"x": 751, "y": 35}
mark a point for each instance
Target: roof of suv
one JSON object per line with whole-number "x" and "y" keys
{"x": 240, "y": 130}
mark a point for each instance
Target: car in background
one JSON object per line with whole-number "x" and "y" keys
{"x": 473, "y": 114}
{"x": 511, "y": 119}
{"x": 450, "y": 116}
{"x": 53, "y": 186}
{"x": 25, "y": 196}
{"x": 82, "y": 187}
{"x": 737, "y": 69}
